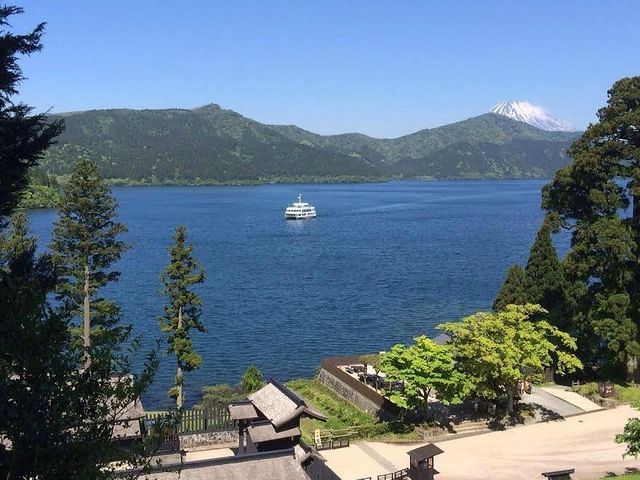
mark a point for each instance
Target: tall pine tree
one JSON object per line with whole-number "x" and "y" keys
{"x": 85, "y": 245}
{"x": 597, "y": 197}
{"x": 513, "y": 290}
{"x": 545, "y": 277}
{"x": 182, "y": 313}
{"x": 58, "y": 420}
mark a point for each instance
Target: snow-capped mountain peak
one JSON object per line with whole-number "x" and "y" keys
{"x": 524, "y": 111}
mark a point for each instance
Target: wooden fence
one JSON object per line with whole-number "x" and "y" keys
{"x": 197, "y": 421}
{"x": 400, "y": 474}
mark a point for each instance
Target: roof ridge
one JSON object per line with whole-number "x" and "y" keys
{"x": 299, "y": 401}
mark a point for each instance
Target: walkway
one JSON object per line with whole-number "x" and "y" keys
{"x": 578, "y": 400}
{"x": 584, "y": 442}
{"x": 549, "y": 406}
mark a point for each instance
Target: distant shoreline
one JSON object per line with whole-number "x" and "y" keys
{"x": 303, "y": 181}
{"x": 46, "y": 198}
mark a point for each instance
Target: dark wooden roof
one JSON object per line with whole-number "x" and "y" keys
{"x": 422, "y": 453}
{"x": 278, "y": 465}
{"x": 280, "y": 405}
{"x": 264, "y": 432}
{"x": 559, "y": 473}
{"x": 242, "y": 410}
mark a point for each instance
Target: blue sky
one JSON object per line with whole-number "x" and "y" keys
{"x": 384, "y": 68}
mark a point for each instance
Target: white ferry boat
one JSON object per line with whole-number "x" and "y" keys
{"x": 299, "y": 210}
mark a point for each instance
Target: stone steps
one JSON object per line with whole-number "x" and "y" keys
{"x": 470, "y": 427}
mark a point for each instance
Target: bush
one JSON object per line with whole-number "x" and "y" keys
{"x": 589, "y": 390}
{"x": 218, "y": 396}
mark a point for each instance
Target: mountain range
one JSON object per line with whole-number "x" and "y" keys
{"x": 212, "y": 145}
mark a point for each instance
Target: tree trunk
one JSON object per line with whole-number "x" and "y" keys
{"x": 86, "y": 319}
{"x": 510, "y": 395}
{"x": 632, "y": 362}
{"x": 632, "y": 369}
{"x": 425, "y": 405}
{"x": 179, "y": 379}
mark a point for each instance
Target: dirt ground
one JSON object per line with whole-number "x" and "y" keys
{"x": 584, "y": 442}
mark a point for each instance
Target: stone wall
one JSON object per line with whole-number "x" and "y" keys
{"x": 195, "y": 440}
{"x": 348, "y": 393}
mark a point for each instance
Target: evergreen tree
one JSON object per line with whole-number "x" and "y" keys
{"x": 597, "y": 197}
{"x": 59, "y": 419}
{"x": 85, "y": 245}
{"x": 23, "y": 137}
{"x": 545, "y": 277}
{"x": 182, "y": 313}
{"x": 252, "y": 380}
{"x": 513, "y": 290}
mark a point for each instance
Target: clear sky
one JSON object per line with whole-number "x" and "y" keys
{"x": 384, "y": 68}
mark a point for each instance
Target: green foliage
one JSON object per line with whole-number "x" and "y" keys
{"x": 58, "y": 418}
{"x": 252, "y": 380}
{"x": 39, "y": 196}
{"x": 218, "y": 396}
{"x": 423, "y": 368}
{"x": 496, "y": 350}
{"x": 631, "y": 436}
{"x": 213, "y": 145}
{"x": 597, "y": 197}
{"x": 513, "y": 290}
{"x": 24, "y": 137}
{"x": 85, "y": 244}
{"x": 545, "y": 277}
{"x": 589, "y": 390}
{"x": 182, "y": 313}
{"x": 341, "y": 413}
{"x": 43, "y": 191}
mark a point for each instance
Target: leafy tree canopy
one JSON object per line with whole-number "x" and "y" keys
{"x": 424, "y": 368}
{"x": 496, "y": 350}
{"x": 597, "y": 197}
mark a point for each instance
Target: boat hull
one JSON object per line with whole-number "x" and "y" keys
{"x": 298, "y": 217}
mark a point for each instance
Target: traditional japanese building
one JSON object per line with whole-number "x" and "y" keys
{"x": 269, "y": 419}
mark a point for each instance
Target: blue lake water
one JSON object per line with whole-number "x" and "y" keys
{"x": 380, "y": 264}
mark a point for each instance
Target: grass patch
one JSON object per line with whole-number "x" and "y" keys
{"x": 628, "y": 394}
{"x": 343, "y": 415}
{"x": 624, "y": 393}
{"x": 626, "y": 476}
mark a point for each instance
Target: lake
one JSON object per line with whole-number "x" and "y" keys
{"x": 380, "y": 264}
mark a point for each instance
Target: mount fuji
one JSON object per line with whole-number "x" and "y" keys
{"x": 526, "y": 112}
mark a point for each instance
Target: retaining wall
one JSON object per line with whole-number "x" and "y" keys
{"x": 195, "y": 440}
{"x": 355, "y": 391}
